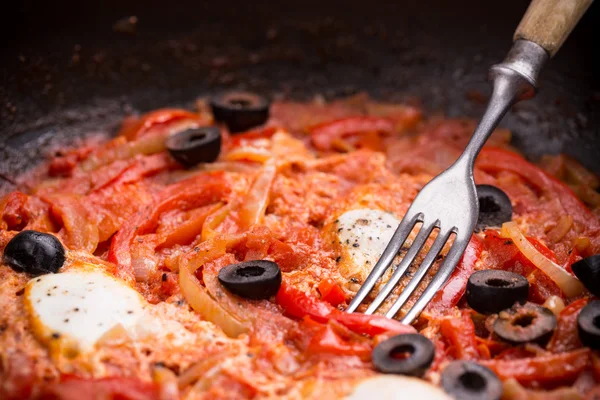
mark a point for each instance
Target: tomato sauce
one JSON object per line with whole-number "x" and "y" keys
{"x": 273, "y": 194}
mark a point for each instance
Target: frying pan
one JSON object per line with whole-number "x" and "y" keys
{"x": 66, "y": 71}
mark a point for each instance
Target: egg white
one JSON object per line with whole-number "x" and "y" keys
{"x": 73, "y": 310}
{"x": 362, "y": 235}
{"x": 396, "y": 387}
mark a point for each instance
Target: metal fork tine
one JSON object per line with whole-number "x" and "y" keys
{"x": 408, "y": 258}
{"x": 386, "y": 259}
{"x": 433, "y": 252}
{"x": 456, "y": 251}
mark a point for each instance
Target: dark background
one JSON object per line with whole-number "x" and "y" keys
{"x": 65, "y": 71}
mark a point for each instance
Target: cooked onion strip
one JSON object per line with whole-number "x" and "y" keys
{"x": 199, "y": 369}
{"x": 248, "y": 153}
{"x": 206, "y": 306}
{"x": 565, "y": 281}
{"x": 560, "y": 230}
{"x": 257, "y": 199}
{"x": 209, "y": 229}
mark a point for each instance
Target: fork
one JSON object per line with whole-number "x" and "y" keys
{"x": 448, "y": 204}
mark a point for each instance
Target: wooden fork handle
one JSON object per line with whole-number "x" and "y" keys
{"x": 549, "y": 22}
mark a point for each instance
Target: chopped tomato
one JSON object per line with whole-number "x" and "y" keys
{"x": 134, "y": 128}
{"x": 75, "y": 388}
{"x": 78, "y": 228}
{"x": 456, "y": 286}
{"x": 514, "y": 353}
{"x": 63, "y": 165}
{"x": 298, "y": 304}
{"x": 331, "y": 292}
{"x": 554, "y": 369}
{"x": 565, "y": 337}
{"x": 324, "y": 135}
{"x": 12, "y": 209}
{"x": 459, "y": 334}
{"x": 17, "y": 376}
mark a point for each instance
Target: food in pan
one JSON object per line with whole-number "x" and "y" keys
{"x": 210, "y": 254}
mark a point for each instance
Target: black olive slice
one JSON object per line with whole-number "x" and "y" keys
{"x": 240, "y": 111}
{"x": 522, "y": 324}
{"x": 588, "y": 272}
{"x": 408, "y": 354}
{"x": 494, "y": 207}
{"x": 466, "y": 380}
{"x": 491, "y": 291}
{"x": 196, "y": 145}
{"x": 588, "y": 323}
{"x": 255, "y": 280}
{"x": 35, "y": 253}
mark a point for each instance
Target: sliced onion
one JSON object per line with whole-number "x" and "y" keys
{"x": 167, "y": 381}
{"x": 209, "y": 229}
{"x": 555, "y": 304}
{"x": 582, "y": 243}
{"x": 248, "y": 153}
{"x": 120, "y": 149}
{"x": 197, "y": 296}
{"x": 560, "y": 230}
{"x": 199, "y": 369}
{"x": 209, "y": 309}
{"x": 257, "y": 199}
{"x": 565, "y": 281}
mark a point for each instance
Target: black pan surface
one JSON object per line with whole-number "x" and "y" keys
{"x": 65, "y": 71}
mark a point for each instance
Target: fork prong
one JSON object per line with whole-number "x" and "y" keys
{"x": 428, "y": 261}
{"x": 385, "y": 261}
{"x": 456, "y": 251}
{"x": 408, "y": 258}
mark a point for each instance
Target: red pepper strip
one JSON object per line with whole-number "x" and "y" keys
{"x": 144, "y": 166}
{"x": 565, "y": 337}
{"x": 497, "y": 159}
{"x": 503, "y": 254}
{"x": 133, "y": 129}
{"x": 195, "y": 192}
{"x": 459, "y": 333}
{"x": 323, "y": 135}
{"x": 75, "y": 388}
{"x": 371, "y": 325}
{"x": 553, "y": 368}
{"x": 299, "y": 304}
{"x": 326, "y": 340}
{"x": 331, "y": 292}
{"x": 456, "y": 286}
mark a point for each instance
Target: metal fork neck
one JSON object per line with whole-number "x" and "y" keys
{"x": 514, "y": 80}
